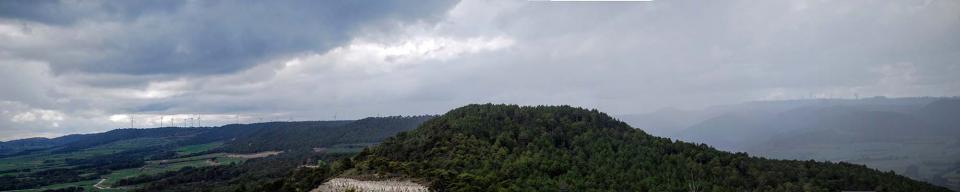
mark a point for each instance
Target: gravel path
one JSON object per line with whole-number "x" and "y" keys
{"x": 342, "y": 184}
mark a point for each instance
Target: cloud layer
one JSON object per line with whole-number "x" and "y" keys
{"x": 82, "y": 66}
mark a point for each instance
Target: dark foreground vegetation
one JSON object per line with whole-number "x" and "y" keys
{"x": 512, "y": 148}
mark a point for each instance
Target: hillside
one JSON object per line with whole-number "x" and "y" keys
{"x": 322, "y": 134}
{"x": 225, "y": 158}
{"x": 544, "y": 148}
{"x": 915, "y": 137}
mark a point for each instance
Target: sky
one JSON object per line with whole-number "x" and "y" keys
{"x": 89, "y": 66}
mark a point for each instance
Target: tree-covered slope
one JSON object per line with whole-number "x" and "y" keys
{"x": 547, "y": 148}
{"x": 308, "y": 135}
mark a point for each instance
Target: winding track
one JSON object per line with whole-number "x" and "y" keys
{"x": 101, "y": 182}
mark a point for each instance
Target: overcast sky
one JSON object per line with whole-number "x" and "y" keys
{"x": 86, "y": 66}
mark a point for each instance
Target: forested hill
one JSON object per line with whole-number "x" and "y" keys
{"x": 560, "y": 148}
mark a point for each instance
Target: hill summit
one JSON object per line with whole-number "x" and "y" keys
{"x": 560, "y": 148}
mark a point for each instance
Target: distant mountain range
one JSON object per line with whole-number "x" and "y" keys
{"x": 239, "y": 137}
{"x": 917, "y": 137}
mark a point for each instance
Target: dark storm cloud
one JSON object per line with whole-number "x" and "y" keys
{"x": 62, "y": 12}
{"x": 204, "y": 37}
{"x": 80, "y": 63}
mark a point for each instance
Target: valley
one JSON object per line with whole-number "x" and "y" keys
{"x": 914, "y": 137}
{"x": 129, "y": 159}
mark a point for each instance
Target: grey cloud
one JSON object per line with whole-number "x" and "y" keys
{"x": 629, "y": 58}
{"x": 206, "y": 37}
{"x": 25, "y": 81}
{"x": 66, "y": 12}
{"x": 633, "y": 57}
{"x": 235, "y": 58}
{"x": 93, "y": 59}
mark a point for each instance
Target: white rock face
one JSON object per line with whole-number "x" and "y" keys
{"x": 343, "y": 184}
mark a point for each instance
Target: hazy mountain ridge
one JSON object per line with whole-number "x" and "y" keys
{"x": 915, "y": 135}
{"x": 75, "y": 142}
{"x": 313, "y": 135}
{"x": 378, "y": 127}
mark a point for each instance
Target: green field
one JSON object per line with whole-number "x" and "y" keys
{"x": 156, "y": 167}
{"x": 45, "y": 160}
{"x": 152, "y": 167}
{"x": 86, "y": 185}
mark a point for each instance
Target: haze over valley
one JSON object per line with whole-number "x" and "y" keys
{"x": 916, "y": 137}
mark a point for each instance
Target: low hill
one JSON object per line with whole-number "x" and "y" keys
{"x": 546, "y": 148}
